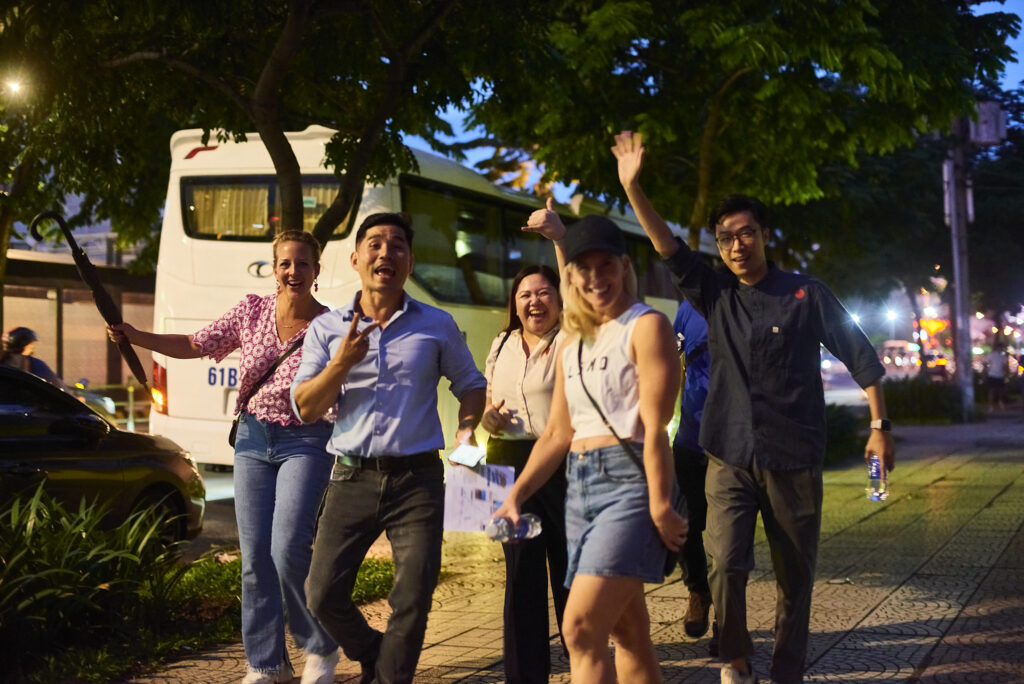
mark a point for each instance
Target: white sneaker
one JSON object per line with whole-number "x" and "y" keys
{"x": 319, "y": 669}
{"x": 730, "y": 675}
{"x": 285, "y": 674}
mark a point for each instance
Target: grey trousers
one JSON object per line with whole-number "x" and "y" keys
{"x": 790, "y": 506}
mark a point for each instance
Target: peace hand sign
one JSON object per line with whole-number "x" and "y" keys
{"x": 355, "y": 344}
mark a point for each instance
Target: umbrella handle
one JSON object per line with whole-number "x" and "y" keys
{"x": 42, "y": 216}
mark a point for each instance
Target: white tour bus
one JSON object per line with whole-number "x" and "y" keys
{"x": 221, "y": 214}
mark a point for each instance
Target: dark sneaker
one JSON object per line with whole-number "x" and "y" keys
{"x": 695, "y": 621}
{"x": 368, "y": 664}
{"x": 713, "y": 643}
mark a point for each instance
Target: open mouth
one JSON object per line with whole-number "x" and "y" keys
{"x": 537, "y": 314}
{"x": 385, "y": 271}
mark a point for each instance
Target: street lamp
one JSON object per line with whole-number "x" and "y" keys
{"x": 891, "y": 315}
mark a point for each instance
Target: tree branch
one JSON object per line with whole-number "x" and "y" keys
{"x": 244, "y": 103}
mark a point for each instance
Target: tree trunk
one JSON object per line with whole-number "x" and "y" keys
{"x": 266, "y": 114}
{"x": 19, "y": 182}
{"x": 912, "y": 299}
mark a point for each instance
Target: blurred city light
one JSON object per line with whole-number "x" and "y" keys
{"x": 931, "y": 311}
{"x": 14, "y": 86}
{"x": 979, "y": 315}
{"x": 855, "y": 317}
{"x": 891, "y": 315}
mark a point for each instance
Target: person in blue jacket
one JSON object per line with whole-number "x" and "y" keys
{"x": 691, "y": 466}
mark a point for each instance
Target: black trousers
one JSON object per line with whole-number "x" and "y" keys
{"x": 527, "y": 565}
{"x": 691, "y": 468}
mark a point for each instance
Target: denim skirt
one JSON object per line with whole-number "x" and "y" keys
{"x": 607, "y": 518}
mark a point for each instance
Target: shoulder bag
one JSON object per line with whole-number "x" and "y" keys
{"x": 259, "y": 383}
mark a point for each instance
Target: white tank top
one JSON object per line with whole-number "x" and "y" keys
{"x": 610, "y": 375}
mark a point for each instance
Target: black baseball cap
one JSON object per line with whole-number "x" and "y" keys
{"x": 593, "y": 233}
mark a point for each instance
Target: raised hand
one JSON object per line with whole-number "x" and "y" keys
{"x": 629, "y": 151}
{"x": 546, "y": 222}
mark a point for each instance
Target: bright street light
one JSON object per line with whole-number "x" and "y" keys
{"x": 14, "y": 86}
{"x": 855, "y": 317}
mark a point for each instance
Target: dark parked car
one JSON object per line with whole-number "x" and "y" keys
{"x": 48, "y": 434}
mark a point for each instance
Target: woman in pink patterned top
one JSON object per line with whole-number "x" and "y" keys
{"x": 281, "y": 466}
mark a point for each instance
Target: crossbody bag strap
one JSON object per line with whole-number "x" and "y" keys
{"x": 502, "y": 344}
{"x": 625, "y": 445}
{"x": 270, "y": 371}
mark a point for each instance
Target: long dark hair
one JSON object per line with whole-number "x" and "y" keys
{"x": 512, "y": 318}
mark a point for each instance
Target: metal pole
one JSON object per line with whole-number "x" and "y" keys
{"x": 956, "y": 189}
{"x": 130, "y": 425}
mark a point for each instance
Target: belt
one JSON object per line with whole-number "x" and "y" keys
{"x": 386, "y": 464}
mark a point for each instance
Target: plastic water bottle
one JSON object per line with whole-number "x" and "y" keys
{"x": 878, "y": 489}
{"x": 501, "y": 530}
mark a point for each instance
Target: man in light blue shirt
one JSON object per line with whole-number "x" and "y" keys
{"x": 380, "y": 360}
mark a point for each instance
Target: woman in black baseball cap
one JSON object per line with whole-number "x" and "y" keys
{"x": 615, "y": 390}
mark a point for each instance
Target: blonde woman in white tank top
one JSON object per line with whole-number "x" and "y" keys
{"x": 620, "y": 520}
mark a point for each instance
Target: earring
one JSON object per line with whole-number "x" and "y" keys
{"x": 316, "y": 286}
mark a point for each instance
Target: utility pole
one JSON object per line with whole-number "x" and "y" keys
{"x": 989, "y": 129}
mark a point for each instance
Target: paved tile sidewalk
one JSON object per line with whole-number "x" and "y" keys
{"x": 925, "y": 587}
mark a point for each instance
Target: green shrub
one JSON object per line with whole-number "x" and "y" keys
{"x": 65, "y": 579}
{"x": 918, "y": 399}
{"x": 80, "y": 602}
{"x": 844, "y": 433}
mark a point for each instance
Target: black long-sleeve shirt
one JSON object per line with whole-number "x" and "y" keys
{"x": 765, "y": 397}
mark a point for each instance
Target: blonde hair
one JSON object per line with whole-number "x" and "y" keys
{"x": 578, "y": 317}
{"x": 298, "y": 236}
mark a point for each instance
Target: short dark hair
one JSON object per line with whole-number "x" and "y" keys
{"x": 514, "y": 322}
{"x": 734, "y": 204}
{"x": 400, "y": 219}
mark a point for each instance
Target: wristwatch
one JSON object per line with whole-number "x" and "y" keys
{"x": 883, "y": 424}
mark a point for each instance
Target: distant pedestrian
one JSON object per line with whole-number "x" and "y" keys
{"x": 281, "y": 466}
{"x": 766, "y": 438}
{"x": 996, "y": 370}
{"x": 379, "y": 359}
{"x": 19, "y": 347}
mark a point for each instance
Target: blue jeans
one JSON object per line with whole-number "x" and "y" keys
{"x": 360, "y": 504}
{"x": 280, "y": 476}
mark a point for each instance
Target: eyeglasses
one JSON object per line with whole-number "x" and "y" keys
{"x": 744, "y": 235}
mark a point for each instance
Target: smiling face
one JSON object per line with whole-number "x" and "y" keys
{"x": 295, "y": 268}
{"x": 600, "y": 278}
{"x": 383, "y": 259}
{"x": 537, "y": 304}
{"x": 741, "y": 243}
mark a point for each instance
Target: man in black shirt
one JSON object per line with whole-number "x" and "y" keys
{"x": 764, "y": 427}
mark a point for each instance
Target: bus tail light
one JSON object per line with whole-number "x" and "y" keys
{"x": 159, "y": 388}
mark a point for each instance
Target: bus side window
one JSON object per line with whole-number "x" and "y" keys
{"x": 460, "y": 255}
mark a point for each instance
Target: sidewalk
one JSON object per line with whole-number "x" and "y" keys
{"x": 925, "y": 587}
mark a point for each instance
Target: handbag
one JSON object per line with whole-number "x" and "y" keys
{"x": 259, "y": 383}
{"x": 672, "y": 557}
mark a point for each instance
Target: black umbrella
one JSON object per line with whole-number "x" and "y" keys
{"x": 108, "y": 309}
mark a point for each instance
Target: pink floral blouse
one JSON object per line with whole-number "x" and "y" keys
{"x": 252, "y": 326}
